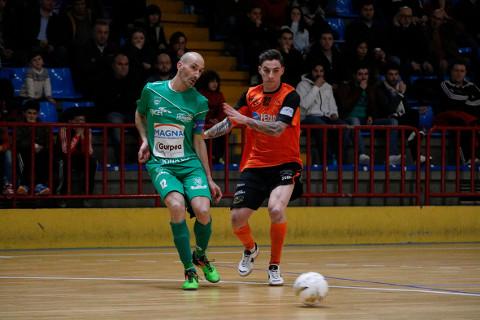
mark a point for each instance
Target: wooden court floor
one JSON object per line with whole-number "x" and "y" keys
{"x": 439, "y": 281}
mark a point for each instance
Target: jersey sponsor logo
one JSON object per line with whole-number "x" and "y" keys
{"x": 255, "y": 115}
{"x": 168, "y": 140}
{"x": 265, "y": 117}
{"x": 159, "y": 112}
{"x": 184, "y": 117}
{"x": 168, "y": 132}
{"x": 287, "y": 111}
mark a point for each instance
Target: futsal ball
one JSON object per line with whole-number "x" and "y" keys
{"x": 311, "y": 287}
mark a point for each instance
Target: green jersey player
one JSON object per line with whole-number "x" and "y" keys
{"x": 170, "y": 118}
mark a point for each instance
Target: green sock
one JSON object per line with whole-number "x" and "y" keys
{"x": 202, "y": 235}
{"x": 181, "y": 237}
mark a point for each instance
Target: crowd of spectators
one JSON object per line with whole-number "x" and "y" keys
{"x": 391, "y": 57}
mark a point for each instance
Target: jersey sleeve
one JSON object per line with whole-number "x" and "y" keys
{"x": 242, "y": 101}
{"x": 142, "y": 103}
{"x": 289, "y": 107}
{"x": 199, "y": 120}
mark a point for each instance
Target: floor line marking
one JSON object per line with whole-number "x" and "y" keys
{"x": 42, "y": 278}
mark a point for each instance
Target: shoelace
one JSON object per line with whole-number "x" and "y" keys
{"x": 275, "y": 274}
{"x": 246, "y": 258}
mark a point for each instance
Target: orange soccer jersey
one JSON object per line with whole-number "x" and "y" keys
{"x": 262, "y": 150}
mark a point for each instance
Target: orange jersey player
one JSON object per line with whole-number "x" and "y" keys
{"x": 271, "y": 165}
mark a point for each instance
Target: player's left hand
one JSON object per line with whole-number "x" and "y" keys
{"x": 215, "y": 191}
{"x": 234, "y": 115}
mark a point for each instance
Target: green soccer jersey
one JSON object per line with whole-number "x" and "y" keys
{"x": 172, "y": 120}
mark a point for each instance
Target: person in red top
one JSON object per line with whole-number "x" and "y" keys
{"x": 271, "y": 165}
{"x": 209, "y": 86}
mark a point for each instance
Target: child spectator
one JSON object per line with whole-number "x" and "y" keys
{"x": 76, "y": 147}
{"x": 37, "y": 83}
{"x": 152, "y": 24}
{"x": 24, "y": 149}
{"x": 209, "y": 86}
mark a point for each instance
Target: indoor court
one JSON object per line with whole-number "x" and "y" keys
{"x": 426, "y": 281}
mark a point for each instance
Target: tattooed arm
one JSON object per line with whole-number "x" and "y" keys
{"x": 219, "y": 129}
{"x": 274, "y": 128}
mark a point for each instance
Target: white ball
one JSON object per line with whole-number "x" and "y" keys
{"x": 311, "y": 287}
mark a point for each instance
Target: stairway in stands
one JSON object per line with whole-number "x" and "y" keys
{"x": 233, "y": 83}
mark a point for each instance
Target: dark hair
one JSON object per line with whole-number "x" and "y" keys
{"x": 206, "y": 77}
{"x": 283, "y": 30}
{"x": 301, "y": 23}
{"x": 461, "y": 62}
{"x": 153, "y": 9}
{"x": 392, "y": 66}
{"x": 30, "y": 104}
{"x": 176, "y": 36}
{"x": 270, "y": 54}
{"x": 102, "y": 22}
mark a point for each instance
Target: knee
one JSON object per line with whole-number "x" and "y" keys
{"x": 276, "y": 214}
{"x": 202, "y": 214}
{"x": 175, "y": 205}
{"x": 238, "y": 220}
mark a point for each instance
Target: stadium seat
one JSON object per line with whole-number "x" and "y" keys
{"x": 62, "y": 84}
{"x": 338, "y": 27}
{"x": 48, "y": 112}
{"x": 426, "y": 120}
{"x": 18, "y": 78}
{"x": 77, "y": 104}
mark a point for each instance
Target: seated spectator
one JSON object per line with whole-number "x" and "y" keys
{"x": 94, "y": 59}
{"x": 366, "y": 28}
{"x": 408, "y": 45}
{"x": 76, "y": 147}
{"x": 43, "y": 31}
{"x": 209, "y": 86}
{"x": 443, "y": 34}
{"x": 37, "y": 83}
{"x": 177, "y": 47}
{"x": 152, "y": 24}
{"x": 318, "y": 105}
{"x": 5, "y": 160}
{"x": 24, "y": 150}
{"x": 116, "y": 95}
{"x": 357, "y": 107}
{"x": 293, "y": 60}
{"x": 460, "y": 106}
{"x": 78, "y": 23}
{"x": 324, "y": 52}
{"x": 361, "y": 56}
{"x": 301, "y": 36}
{"x": 162, "y": 70}
{"x": 139, "y": 55}
{"x": 391, "y": 103}
{"x": 253, "y": 38}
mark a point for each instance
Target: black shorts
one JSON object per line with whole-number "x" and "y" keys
{"x": 256, "y": 184}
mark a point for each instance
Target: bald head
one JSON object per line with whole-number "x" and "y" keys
{"x": 192, "y": 57}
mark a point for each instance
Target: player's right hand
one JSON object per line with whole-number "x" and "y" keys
{"x": 144, "y": 152}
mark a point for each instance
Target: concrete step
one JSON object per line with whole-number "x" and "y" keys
{"x": 207, "y": 48}
{"x": 192, "y": 33}
{"x": 233, "y": 93}
{"x": 170, "y": 6}
{"x": 179, "y": 18}
{"x": 219, "y": 63}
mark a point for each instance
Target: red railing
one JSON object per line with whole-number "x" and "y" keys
{"x": 462, "y": 171}
{"x": 344, "y": 177}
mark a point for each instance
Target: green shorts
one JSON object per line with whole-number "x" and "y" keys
{"x": 187, "y": 178}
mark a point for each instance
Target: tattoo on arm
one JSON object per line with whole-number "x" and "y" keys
{"x": 219, "y": 129}
{"x": 270, "y": 128}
